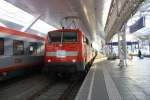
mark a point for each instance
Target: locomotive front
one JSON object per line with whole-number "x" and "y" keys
{"x": 63, "y": 50}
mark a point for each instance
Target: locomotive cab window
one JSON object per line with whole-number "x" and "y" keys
{"x": 1, "y": 46}
{"x": 54, "y": 37}
{"x": 62, "y": 37}
{"x": 70, "y": 37}
{"x": 85, "y": 40}
{"x": 18, "y": 47}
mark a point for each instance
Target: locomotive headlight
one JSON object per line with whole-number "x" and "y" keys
{"x": 73, "y": 60}
{"x": 49, "y": 60}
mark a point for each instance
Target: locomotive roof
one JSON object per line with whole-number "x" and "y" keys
{"x": 60, "y": 30}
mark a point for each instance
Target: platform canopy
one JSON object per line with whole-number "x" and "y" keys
{"x": 98, "y": 18}
{"x": 140, "y": 22}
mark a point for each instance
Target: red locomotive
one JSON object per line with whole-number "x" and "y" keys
{"x": 67, "y": 50}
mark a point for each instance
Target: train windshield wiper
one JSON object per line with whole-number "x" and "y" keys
{"x": 62, "y": 33}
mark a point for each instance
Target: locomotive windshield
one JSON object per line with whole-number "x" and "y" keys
{"x": 63, "y": 37}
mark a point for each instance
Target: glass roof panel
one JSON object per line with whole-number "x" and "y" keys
{"x": 14, "y": 17}
{"x": 42, "y": 27}
{"x": 13, "y": 14}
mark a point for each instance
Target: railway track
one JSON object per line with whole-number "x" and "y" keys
{"x": 62, "y": 89}
{"x": 21, "y": 89}
{"x": 71, "y": 91}
{"x": 39, "y": 87}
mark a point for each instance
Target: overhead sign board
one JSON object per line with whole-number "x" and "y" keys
{"x": 137, "y": 25}
{"x": 128, "y": 43}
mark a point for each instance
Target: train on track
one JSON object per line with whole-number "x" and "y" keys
{"x": 68, "y": 50}
{"x": 19, "y": 51}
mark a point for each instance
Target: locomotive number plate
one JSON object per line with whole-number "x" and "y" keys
{"x": 61, "y": 54}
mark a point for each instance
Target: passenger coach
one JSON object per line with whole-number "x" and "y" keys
{"x": 19, "y": 51}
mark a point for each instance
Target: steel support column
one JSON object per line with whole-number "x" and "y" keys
{"x": 122, "y": 48}
{"x": 149, "y": 45}
{"x": 118, "y": 45}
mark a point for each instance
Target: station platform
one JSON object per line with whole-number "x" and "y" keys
{"x": 107, "y": 81}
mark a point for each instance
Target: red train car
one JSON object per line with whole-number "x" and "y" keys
{"x": 67, "y": 50}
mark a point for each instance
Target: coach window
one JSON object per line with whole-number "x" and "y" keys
{"x": 1, "y": 46}
{"x": 18, "y": 47}
{"x": 33, "y": 48}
